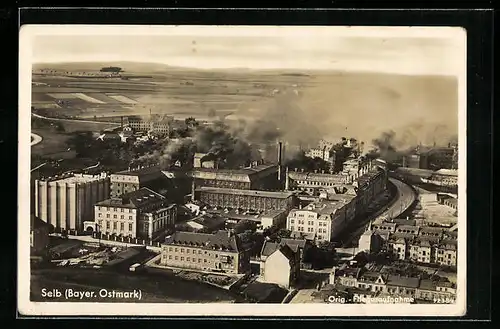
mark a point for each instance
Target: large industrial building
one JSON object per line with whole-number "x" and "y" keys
{"x": 219, "y": 252}
{"x": 254, "y": 177}
{"x": 156, "y": 123}
{"x": 142, "y": 214}
{"x": 135, "y": 178}
{"x": 67, "y": 201}
{"x": 245, "y": 199}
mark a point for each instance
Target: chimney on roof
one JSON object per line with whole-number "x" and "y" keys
{"x": 302, "y": 170}
{"x": 315, "y": 171}
{"x": 295, "y": 169}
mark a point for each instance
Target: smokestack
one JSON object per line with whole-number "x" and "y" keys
{"x": 287, "y": 180}
{"x": 121, "y": 122}
{"x": 192, "y": 191}
{"x": 280, "y": 150}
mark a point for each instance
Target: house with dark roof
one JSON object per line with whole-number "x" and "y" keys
{"x": 281, "y": 265}
{"x": 220, "y": 252}
{"x": 436, "y": 291}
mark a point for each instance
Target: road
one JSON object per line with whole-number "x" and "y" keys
{"x": 74, "y": 120}
{"x": 36, "y": 139}
{"x": 404, "y": 199}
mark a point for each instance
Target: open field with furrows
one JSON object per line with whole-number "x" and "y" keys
{"x": 339, "y": 99}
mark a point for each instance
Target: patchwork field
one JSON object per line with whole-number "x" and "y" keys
{"x": 421, "y": 108}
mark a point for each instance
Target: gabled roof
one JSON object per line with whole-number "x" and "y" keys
{"x": 403, "y": 281}
{"x": 218, "y": 240}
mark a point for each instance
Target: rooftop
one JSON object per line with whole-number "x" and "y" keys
{"x": 219, "y": 240}
{"x": 447, "y": 172}
{"x": 403, "y": 281}
{"x": 318, "y": 177}
{"x": 240, "y": 171}
{"x": 322, "y": 207}
{"x": 135, "y": 199}
{"x": 71, "y": 178}
{"x": 137, "y": 171}
{"x": 268, "y": 194}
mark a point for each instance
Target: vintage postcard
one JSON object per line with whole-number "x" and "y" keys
{"x": 215, "y": 170}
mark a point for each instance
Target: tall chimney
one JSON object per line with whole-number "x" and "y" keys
{"x": 280, "y": 150}
{"x": 121, "y": 122}
{"x": 192, "y": 190}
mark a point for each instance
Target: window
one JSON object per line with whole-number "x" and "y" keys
{"x": 292, "y": 221}
{"x": 130, "y": 210}
{"x": 182, "y": 250}
{"x": 114, "y": 216}
{"x": 199, "y": 252}
{"x": 130, "y": 227}
{"x": 114, "y": 225}
{"x": 423, "y": 252}
{"x": 194, "y": 259}
{"x": 176, "y": 258}
{"x": 130, "y": 217}
{"x": 204, "y": 260}
{"x": 188, "y": 259}
{"x": 187, "y": 251}
{"x": 182, "y": 258}
{"x": 199, "y": 260}
{"x": 114, "y": 209}
{"x": 100, "y": 215}
{"x": 107, "y": 215}
{"x": 291, "y": 228}
{"x": 122, "y": 226}
{"x": 108, "y": 225}
{"x": 170, "y": 257}
{"x": 121, "y": 209}
{"x": 169, "y": 248}
{"x": 122, "y": 217}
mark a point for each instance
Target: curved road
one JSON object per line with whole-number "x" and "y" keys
{"x": 36, "y": 139}
{"x": 75, "y": 120}
{"x": 404, "y": 199}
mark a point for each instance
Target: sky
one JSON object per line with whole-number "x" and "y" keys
{"x": 413, "y": 51}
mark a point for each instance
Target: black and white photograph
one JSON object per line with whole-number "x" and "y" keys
{"x": 242, "y": 170}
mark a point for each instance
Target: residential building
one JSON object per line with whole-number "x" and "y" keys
{"x": 446, "y": 253}
{"x": 220, "y": 252}
{"x": 133, "y": 179}
{"x": 421, "y": 250}
{"x": 39, "y": 235}
{"x": 67, "y": 201}
{"x": 370, "y": 241}
{"x": 142, "y": 214}
{"x": 299, "y": 246}
{"x": 397, "y": 245}
{"x": 435, "y": 291}
{"x": 377, "y": 283}
{"x": 281, "y": 267}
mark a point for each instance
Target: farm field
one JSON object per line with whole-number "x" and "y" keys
{"x": 340, "y": 99}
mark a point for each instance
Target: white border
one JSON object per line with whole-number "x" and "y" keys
{"x": 26, "y": 307}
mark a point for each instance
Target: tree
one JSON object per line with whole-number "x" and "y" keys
{"x": 191, "y": 122}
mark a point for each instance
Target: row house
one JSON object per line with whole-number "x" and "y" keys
{"x": 371, "y": 283}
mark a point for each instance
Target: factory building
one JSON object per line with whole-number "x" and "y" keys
{"x": 133, "y": 179}
{"x": 156, "y": 123}
{"x": 219, "y": 252}
{"x": 254, "y": 177}
{"x": 142, "y": 214}
{"x": 321, "y": 221}
{"x": 67, "y": 201}
{"x": 245, "y": 199}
